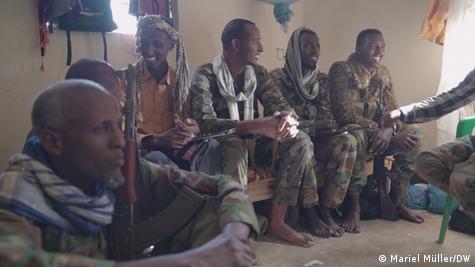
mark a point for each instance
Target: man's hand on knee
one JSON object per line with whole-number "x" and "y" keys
{"x": 287, "y": 127}
{"x": 224, "y": 250}
{"x": 237, "y": 230}
{"x": 404, "y": 140}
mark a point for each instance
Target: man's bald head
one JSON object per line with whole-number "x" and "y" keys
{"x": 52, "y": 108}
{"x": 79, "y": 125}
{"x": 95, "y": 70}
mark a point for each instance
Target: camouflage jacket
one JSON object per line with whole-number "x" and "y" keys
{"x": 210, "y": 109}
{"x": 24, "y": 243}
{"x": 354, "y": 92}
{"x": 317, "y": 109}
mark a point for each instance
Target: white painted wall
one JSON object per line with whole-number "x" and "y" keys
{"x": 20, "y": 76}
{"x": 413, "y": 62}
{"x": 201, "y": 23}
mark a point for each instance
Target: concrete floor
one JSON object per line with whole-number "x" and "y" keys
{"x": 377, "y": 237}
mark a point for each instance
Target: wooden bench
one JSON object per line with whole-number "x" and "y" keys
{"x": 262, "y": 189}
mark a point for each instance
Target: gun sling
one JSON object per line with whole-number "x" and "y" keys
{"x": 169, "y": 221}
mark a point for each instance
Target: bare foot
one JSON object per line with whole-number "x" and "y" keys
{"x": 315, "y": 225}
{"x": 324, "y": 214}
{"x": 284, "y": 232}
{"x": 351, "y": 222}
{"x": 407, "y": 214}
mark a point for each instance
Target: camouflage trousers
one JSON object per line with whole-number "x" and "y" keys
{"x": 341, "y": 164}
{"x": 296, "y": 182}
{"x": 404, "y": 166}
{"x": 451, "y": 167}
{"x": 201, "y": 229}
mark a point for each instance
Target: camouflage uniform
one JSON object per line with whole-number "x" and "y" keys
{"x": 25, "y": 243}
{"x": 296, "y": 180}
{"x": 340, "y": 159}
{"x": 451, "y": 167}
{"x": 355, "y": 96}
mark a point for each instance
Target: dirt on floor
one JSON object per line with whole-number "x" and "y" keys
{"x": 380, "y": 243}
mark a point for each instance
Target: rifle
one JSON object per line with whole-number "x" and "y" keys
{"x": 130, "y": 238}
{"x": 184, "y": 152}
{"x": 331, "y": 132}
{"x": 387, "y": 208}
{"x": 201, "y": 139}
{"x": 123, "y": 221}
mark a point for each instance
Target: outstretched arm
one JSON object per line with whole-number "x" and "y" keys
{"x": 437, "y": 106}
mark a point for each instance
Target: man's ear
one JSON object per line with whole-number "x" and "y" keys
{"x": 235, "y": 44}
{"x": 51, "y": 141}
{"x": 172, "y": 46}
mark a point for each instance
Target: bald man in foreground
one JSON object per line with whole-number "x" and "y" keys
{"x": 53, "y": 212}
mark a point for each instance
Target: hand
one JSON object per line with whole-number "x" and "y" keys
{"x": 237, "y": 230}
{"x": 404, "y": 140}
{"x": 266, "y": 126}
{"x": 287, "y": 127}
{"x": 189, "y": 125}
{"x": 223, "y": 250}
{"x": 380, "y": 140}
{"x": 389, "y": 119}
{"x": 325, "y": 125}
{"x": 175, "y": 138}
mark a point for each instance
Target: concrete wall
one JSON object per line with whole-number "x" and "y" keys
{"x": 201, "y": 23}
{"x": 20, "y": 77}
{"x": 413, "y": 62}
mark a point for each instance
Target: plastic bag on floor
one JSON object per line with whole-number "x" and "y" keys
{"x": 418, "y": 197}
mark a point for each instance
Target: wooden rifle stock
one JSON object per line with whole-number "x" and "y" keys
{"x": 127, "y": 192}
{"x": 123, "y": 222}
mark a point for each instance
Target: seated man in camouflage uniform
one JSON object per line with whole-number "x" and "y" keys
{"x": 53, "y": 211}
{"x": 224, "y": 96}
{"x": 357, "y": 87}
{"x": 450, "y": 166}
{"x": 339, "y": 157}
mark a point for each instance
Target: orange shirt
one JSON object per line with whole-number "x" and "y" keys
{"x": 155, "y": 104}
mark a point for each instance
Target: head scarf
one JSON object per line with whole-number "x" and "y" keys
{"x": 155, "y": 22}
{"x": 305, "y": 86}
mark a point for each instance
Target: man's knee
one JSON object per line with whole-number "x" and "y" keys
{"x": 301, "y": 140}
{"x": 346, "y": 141}
{"x": 212, "y": 144}
{"x": 236, "y": 144}
{"x": 425, "y": 165}
{"x": 159, "y": 158}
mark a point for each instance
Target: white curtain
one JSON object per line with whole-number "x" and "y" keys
{"x": 458, "y": 59}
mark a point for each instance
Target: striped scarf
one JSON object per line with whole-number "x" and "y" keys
{"x": 33, "y": 190}
{"x": 226, "y": 88}
{"x": 306, "y": 86}
{"x": 155, "y": 22}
